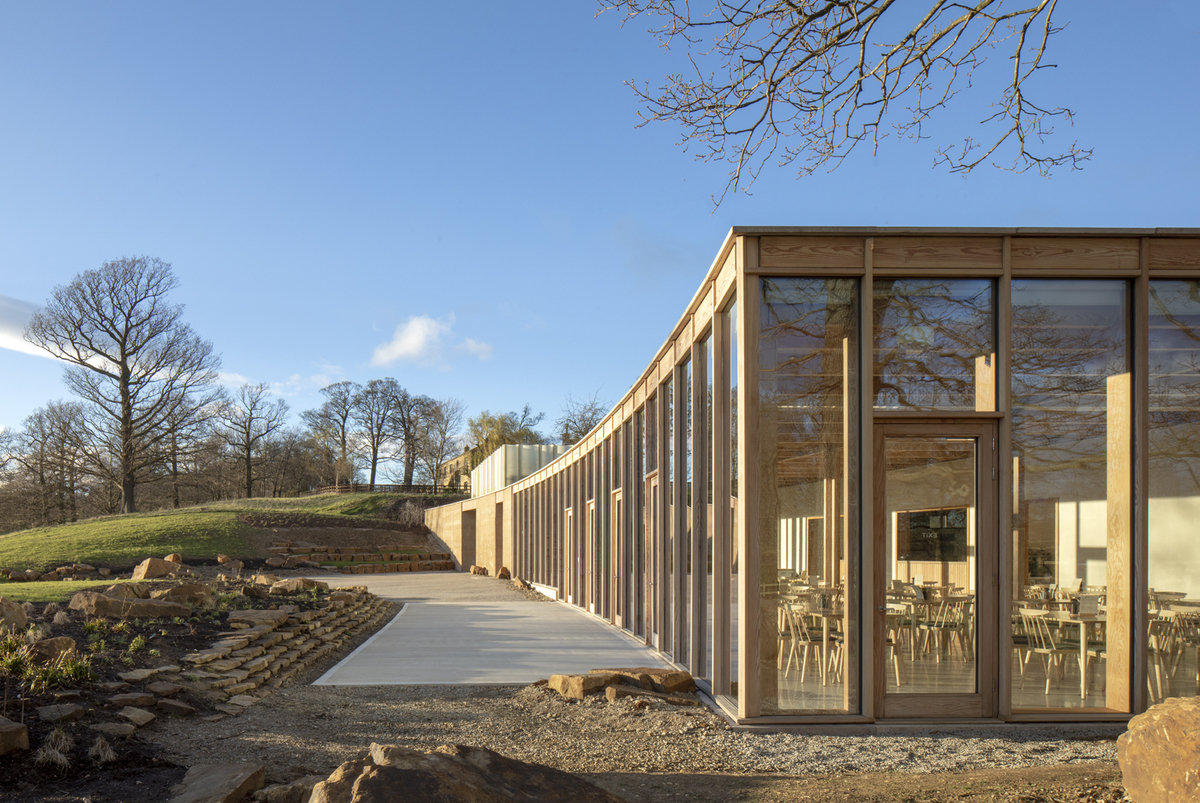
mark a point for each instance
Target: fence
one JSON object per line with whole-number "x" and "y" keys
{"x": 362, "y": 488}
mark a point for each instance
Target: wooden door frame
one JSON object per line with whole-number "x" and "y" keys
{"x": 984, "y": 702}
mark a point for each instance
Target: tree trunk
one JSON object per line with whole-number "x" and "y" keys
{"x": 374, "y": 461}
{"x": 249, "y": 474}
{"x": 128, "y": 481}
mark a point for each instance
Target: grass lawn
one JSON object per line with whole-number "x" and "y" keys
{"x": 59, "y": 591}
{"x": 117, "y": 540}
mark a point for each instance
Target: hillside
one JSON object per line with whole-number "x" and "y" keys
{"x": 241, "y": 528}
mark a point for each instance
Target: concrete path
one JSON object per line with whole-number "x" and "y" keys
{"x": 458, "y": 628}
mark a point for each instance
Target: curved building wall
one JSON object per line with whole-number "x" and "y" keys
{"x": 872, "y": 473}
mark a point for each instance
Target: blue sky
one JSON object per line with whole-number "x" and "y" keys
{"x": 456, "y": 195}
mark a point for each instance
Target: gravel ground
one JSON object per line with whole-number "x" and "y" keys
{"x": 301, "y": 730}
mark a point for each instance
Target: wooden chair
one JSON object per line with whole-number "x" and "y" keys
{"x": 1045, "y": 642}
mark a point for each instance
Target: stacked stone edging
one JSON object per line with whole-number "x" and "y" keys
{"x": 292, "y": 555}
{"x": 267, "y": 647}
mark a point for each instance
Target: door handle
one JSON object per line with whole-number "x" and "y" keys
{"x": 882, "y": 609}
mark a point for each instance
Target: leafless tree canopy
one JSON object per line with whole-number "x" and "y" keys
{"x": 806, "y": 81}
{"x": 132, "y": 360}
{"x": 247, "y": 423}
{"x": 579, "y": 417}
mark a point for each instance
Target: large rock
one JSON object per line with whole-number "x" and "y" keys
{"x": 219, "y": 783}
{"x": 189, "y": 593}
{"x": 174, "y": 557}
{"x": 48, "y": 649}
{"x": 12, "y": 615}
{"x": 1160, "y": 752}
{"x": 154, "y": 568}
{"x": 253, "y": 617}
{"x": 576, "y": 687}
{"x": 451, "y": 774}
{"x": 94, "y": 604}
{"x": 293, "y": 585}
{"x": 13, "y": 736}
{"x": 131, "y": 590}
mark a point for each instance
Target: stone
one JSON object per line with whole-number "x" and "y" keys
{"x": 1160, "y": 752}
{"x": 668, "y": 681}
{"x": 451, "y": 773}
{"x": 264, "y": 579}
{"x": 132, "y": 698}
{"x": 342, "y": 596}
{"x": 94, "y": 604}
{"x": 576, "y": 687}
{"x": 222, "y": 558}
{"x": 164, "y": 688}
{"x": 138, "y": 716}
{"x": 504, "y": 573}
{"x": 154, "y": 568}
{"x": 298, "y": 791}
{"x": 63, "y": 712}
{"x": 293, "y": 585}
{"x": 175, "y": 708}
{"x": 128, "y": 590}
{"x": 479, "y": 570}
{"x": 13, "y": 737}
{"x": 50, "y": 576}
{"x": 104, "y": 571}
{"x": 111, "y": 686}
{"x": 244, "y": 700}
{"x": 115, "y": 728}
{"x": 218, "y": 783}
{"x": 275, "y": 562}
{"x": 12, "y": 615}
{"x": 619, "y": 690}
{"x": 257, "y": 617}
{"x": 189, "y": 593}
{"x": 137, "y": 675}
{"x": 174, "y": 557}
{"x": 49, "y": 649}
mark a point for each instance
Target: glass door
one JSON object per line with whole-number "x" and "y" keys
{"x": 935, "y": 570}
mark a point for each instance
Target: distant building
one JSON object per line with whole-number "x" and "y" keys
{"x": 510, "y": 463}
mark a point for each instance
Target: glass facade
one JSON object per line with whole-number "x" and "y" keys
{"x": 807, "y": 399}
{"x": 937, "y": 476}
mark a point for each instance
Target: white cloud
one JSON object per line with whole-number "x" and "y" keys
{"x": 472, "y": 346}
{"x": 14, "y": 317}
{"x": 418, "y": 339}
{"x": 232, "y": 380}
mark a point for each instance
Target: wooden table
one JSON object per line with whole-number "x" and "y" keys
{"x": 1084, "y": 622}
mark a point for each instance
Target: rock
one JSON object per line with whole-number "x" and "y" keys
{"x": 264, "y": 579}
{"x": 137, "y": 675}
{"x": 668, "y": 681}
{"x": 504, "y": 573}
{"x": 451, "y": 773}
{"x": 174, "y": 557}
{"x": 13, "y": 736}
{"x": 128, "y": 591}
{"x": 163, "y": 688}
{"x": 63, "y": 712}
{"x": 93, "y": 604}
{"x": 479, "y": 570}
{"x": 619, "y": 690}
{"x": 576, "y": 687}
{"x": 343, "y": 596}
{"x": 293, "y": 585}
{"x": 190, "y": 593}
{"x": 138, "y": 716}
{"x": 154, "y": 568}
{"x": 104, "y": 571}
{"x": 219, "y": 783}
{"x": 255, "y": 591}
{"x": 258, "y": 617}
{"x": 222, "y": 559}
{"x": 1160, "y": 752}
{"x": 242, "y": 700}
{"x": 12, "y": 615}
{"x": 176, "y": 708}
{"x": 115, "y": 728}
{"x": 132, "y": 698}
{"x": 298, "y": 791}
{"x": 51, "y": 576}
{"x": 48, "y": 649}
{"x": 275, "y": 562}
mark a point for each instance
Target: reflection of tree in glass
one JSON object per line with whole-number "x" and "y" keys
{"x": 1174, "y": 379}
{"x": 928, "y": 335}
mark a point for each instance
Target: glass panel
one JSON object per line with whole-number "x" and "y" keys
{"x": 931, "y": 572}
{"x": 1072, "y": 485}
{"x": 687, "y": 568}
{"x": 667, "y": 394}
{"x": 807, "y": 440}
{"x": 1173, "y": 643}
{"x": 707, "y": 558}
{"x": 934, "y": 344}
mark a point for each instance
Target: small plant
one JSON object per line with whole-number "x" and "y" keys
{"x": 61, "y": 619}
{"x": 47, "y": 756}
{"x": 101, "y": 752}
{"x": 153, "y": 653}
{"x": 98, "y": 645}
{"x": 67, "y": 669}
{"x": 136, "y": 644}
{"x": 94, "y": 626}
{"x": 121, "y": 626}
{"x": 51, "y": 609}
{"x": 61, "y": 741}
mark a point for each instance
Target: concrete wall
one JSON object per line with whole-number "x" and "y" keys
{"x": 477, "y": 531}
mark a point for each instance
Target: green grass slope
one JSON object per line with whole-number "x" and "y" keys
{"x": 207, "y": 530}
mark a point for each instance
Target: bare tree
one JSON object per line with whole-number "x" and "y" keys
{"x": 375, "y": 414}
{"x": 489, "y": 431}
{"x": 408, "y": 413}
{"x": 439, "y": 435}
{"x": 247, "y": 423}
{"x": 132, "y": 358}
{"x": 331, "y": 424}
{"x": 807, "y": 82}
{"x": 579, "y": 417}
